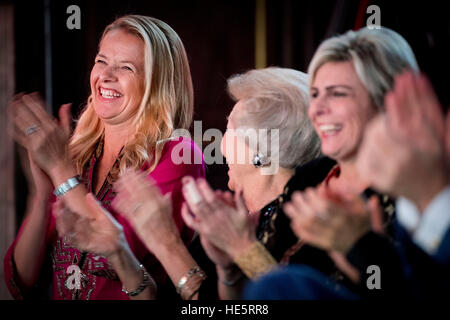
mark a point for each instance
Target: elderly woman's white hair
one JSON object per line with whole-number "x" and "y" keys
{"x": 378, "y": 55}
{"x": 277, "y": 98}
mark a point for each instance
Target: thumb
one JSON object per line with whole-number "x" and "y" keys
{"x": 65, "y": 118}
{"x": 94, "y": 207}
{"x": 98, "y": 212}
{"x": 167, "y": 199}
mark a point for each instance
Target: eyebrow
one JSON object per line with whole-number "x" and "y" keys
{"x": 330, "y": 88}
{"x": 123, "y": 61}
{"x": 338, "y": 86}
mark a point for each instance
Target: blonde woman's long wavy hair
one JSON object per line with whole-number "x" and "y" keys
{"x": 167, "y": 103}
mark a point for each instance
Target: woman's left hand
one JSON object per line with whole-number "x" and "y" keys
{"x": 140, "y": 201}
{"x": 45, "y": 138}
{"x": 327, "y": 223}
{"x": 230, "y": 229}
{"x": 102, "y": 234}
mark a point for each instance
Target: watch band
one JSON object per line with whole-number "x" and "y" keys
{"x": 67, "y": 186}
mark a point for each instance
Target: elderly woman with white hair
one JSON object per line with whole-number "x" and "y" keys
{"x": 268, "y": 136}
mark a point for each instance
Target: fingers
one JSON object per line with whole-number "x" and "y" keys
{"x": 195, "y": 198}
{"x": 318, "y": 204}
{"x": 19, "y": 136}
{"x": 206, "y": 191}
{"x": 299, "y": 206}
{"x": 138, "y": 185}
{"x": 36, "y": 105}
{"x": 95, "y": 209}
{"x": 228, "y": 198}
{"x": 188, "y": 218}
{"x": 401, "y": 105}
{"x": 307, "y": 209}
{"x": 191, "y": 192}
{"x": 65, "y": 118}
{"x": 293, "y": 207}
{"x": 397, "y": 106}
{"x": 135, "y": 187}
{"x": 98, "y": 212}
{"x": 430, "y": 106}
{"x": 22, "y": 115}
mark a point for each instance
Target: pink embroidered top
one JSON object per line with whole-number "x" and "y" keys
{"x": 97, "y": 279}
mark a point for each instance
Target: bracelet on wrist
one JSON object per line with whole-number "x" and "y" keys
{"x": 144, "y": 284}
{"x": 189, "y": 284}
{"x": 67, "y": 186}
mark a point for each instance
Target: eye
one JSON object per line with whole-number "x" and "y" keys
{"x": 127, "y": 68}
{"x": 314, "y": 94}
{"x": 100, "y": 61}
{"x": 339, "y": 94}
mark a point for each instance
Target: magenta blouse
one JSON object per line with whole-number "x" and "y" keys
{"x": 97, "y": 280}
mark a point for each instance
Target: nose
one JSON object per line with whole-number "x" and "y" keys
{"x": 108, "y": 74}
{"x": 317, "y": 107}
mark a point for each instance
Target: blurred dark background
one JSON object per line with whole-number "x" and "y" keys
{"x": 219, "y": 37}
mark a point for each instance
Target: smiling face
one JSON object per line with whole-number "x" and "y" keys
{"x": 117, "y": 78}
{"x": 340, "y": 108}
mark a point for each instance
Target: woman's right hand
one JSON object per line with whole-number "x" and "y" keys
{"x": 45, "y": 138}
{"x": 101, "y": 234}
{"x": 39, "y": 181}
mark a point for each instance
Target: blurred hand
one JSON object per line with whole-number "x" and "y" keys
{"x": 44, "y": 137}
{"x": 149, "y": 212}
{"x": 328, "y": 223}
{"x": 230, "y": 229}
{"x": 403, "y": 151}
{"x": 39, "y": 182}
{"x": 220, "y": 258}
{"x": 102, "y": 235}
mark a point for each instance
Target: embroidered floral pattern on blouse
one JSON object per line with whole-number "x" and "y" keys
{"x": 75, "y": 271}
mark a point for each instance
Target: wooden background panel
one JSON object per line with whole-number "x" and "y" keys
{"x": 7, "y": 207}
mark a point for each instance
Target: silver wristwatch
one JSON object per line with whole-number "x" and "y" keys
{"x": 67, "y": 186}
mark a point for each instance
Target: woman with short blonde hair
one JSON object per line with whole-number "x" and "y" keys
{"x": 377, "y": 56}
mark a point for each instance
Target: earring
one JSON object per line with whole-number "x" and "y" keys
{"x": 260, "y": 160}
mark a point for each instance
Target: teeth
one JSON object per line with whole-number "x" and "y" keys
{"x": 109, "y": 94}
{"x": 330, "y": 127}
